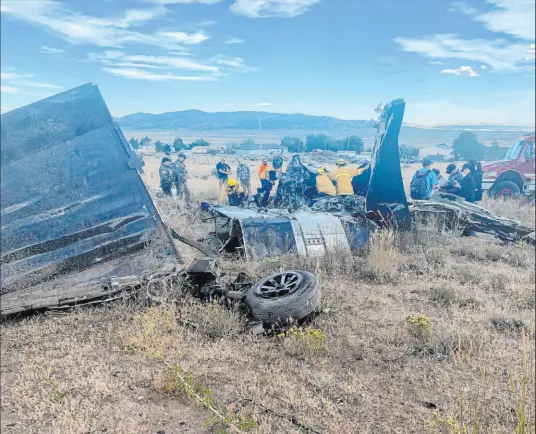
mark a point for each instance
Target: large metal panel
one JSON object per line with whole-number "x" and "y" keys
{"x": 71, "y": 197}
{"x": 267, "y": 237}
{"x": 318, "y": 234}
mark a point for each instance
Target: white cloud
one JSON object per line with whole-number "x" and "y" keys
{"x": 179, "y": 53}
{"x": 37, "y": 84}
{"x": 171, "y": 2}
{"x": 8, "y": 89}
{"x": 21, "y": 81}
{"x": 462, "y": 70}
{"x": 132, "y": 73}
{"x": 436, "y": 62}
{"x": 232, "y": 40}
{"x": 462, "y": 7}
{"x": 230, "y": 103}
{"x": 497, "y": 53}
{"x": 172, "y": 62}
{"x": 77, "y": 28}
{"x": 483, "y": 67}
{"x": 264, "y": 104}
{"x": 272, "y": 8}
{"x": 12, "y": 75}
{"x": 151, "y": 62}
{"x": 186, "y": 38}
{"x": 515, "y": 18}
{"x": 51, "y": 50}
{"x": 4, "y": 109}
{"x": 233, "y": 62}
{"x": 206, "y": 23}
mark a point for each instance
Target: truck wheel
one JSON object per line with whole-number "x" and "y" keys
{"x": 504, "y": 189}
{"x": 290, "y": 294}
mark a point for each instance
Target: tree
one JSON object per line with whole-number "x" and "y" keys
{"x": 316, "y": 141}
{"x": 134, "y": 143}
{"x": 178, "y": 144}
{"x": 352, "y": 143}
{"x": 495, "y": 144}
{"x": 248, "y": 142}
{"x": 199, "y": 142}
{"x": 167, "y": 148}
{"x": 159, "y": 146}
{"x": 467, "y": 147}
{"x": 146, "y": 141}
{"x": 293, "y": 144}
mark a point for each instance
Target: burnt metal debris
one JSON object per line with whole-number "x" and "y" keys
{"x": 454, "y": 213}
{"x": 386, "y": 198}
{"x": 75, "y": 212}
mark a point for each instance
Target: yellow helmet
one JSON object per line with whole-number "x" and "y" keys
{"x": 320, "y": 171}
{"x": 341, "y": 161}
{"x": 231, "y": 182}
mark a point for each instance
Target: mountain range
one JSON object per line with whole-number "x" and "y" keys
{"x": 244, "y": 120}
{"x": 197, "y": 120}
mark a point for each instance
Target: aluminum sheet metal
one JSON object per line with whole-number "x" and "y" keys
{"x": 71, "y": 199}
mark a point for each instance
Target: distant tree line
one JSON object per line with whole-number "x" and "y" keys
{"x": 178, "y": 144}
{"x": 467, "y": 147}
{"x": 322, "y": 141}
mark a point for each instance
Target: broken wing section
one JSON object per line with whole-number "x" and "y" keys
{"x": 71, "y": 197}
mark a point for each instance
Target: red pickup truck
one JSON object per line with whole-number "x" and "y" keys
{"x": 514, "y": 174}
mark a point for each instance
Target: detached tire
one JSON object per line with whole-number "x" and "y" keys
{"x": 504, "y": 189}
{"x": 289, "y": 294}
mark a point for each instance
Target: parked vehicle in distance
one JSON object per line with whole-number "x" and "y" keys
{"x": 515, "y": 174}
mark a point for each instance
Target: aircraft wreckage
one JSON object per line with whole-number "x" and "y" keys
{"x": 78, "y": 224}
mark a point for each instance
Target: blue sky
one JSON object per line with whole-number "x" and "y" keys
{"x": 452, "y": 61}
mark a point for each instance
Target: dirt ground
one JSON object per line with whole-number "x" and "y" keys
{"x": 425, "y": 332}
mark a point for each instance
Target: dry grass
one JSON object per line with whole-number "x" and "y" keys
{"x": 101, "y": 370}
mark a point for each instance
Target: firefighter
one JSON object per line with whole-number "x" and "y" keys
{"x": 324, "y": 185}
{"x": 235, "y": 194}
{"x": 342, "y": 176}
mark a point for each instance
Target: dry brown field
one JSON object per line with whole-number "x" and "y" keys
{"x": 424, "y": 333}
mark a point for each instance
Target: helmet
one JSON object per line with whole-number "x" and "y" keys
{"x": 341, "y": 161}
{"x": 231, "y": 182}
{"x": 320, "y": 171}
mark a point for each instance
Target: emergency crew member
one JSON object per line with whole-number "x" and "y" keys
{"x": 324, "y": 185}
{"x": 342, "y": 176}
{"x": 234, "y": 191}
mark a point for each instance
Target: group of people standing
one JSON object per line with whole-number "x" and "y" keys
{"x": 174, "y": 173}
{"x": 237, "y": 190}
{"x": 465, "y": 182}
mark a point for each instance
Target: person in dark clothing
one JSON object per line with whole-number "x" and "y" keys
{"x": 223, "y": 170}
{"x": 468, "y": 185}
{"x": 478, "y": 173}
{"x": 166, "y": 176}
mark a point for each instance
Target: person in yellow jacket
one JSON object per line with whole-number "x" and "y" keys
{"x": 234, "y": 191}
{"x": 324, "y": 185}
{"x": 342, "y": 176}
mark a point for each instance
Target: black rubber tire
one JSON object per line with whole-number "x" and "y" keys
{"x": 296, "y": 305}
{"x": 495, "y": 190}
